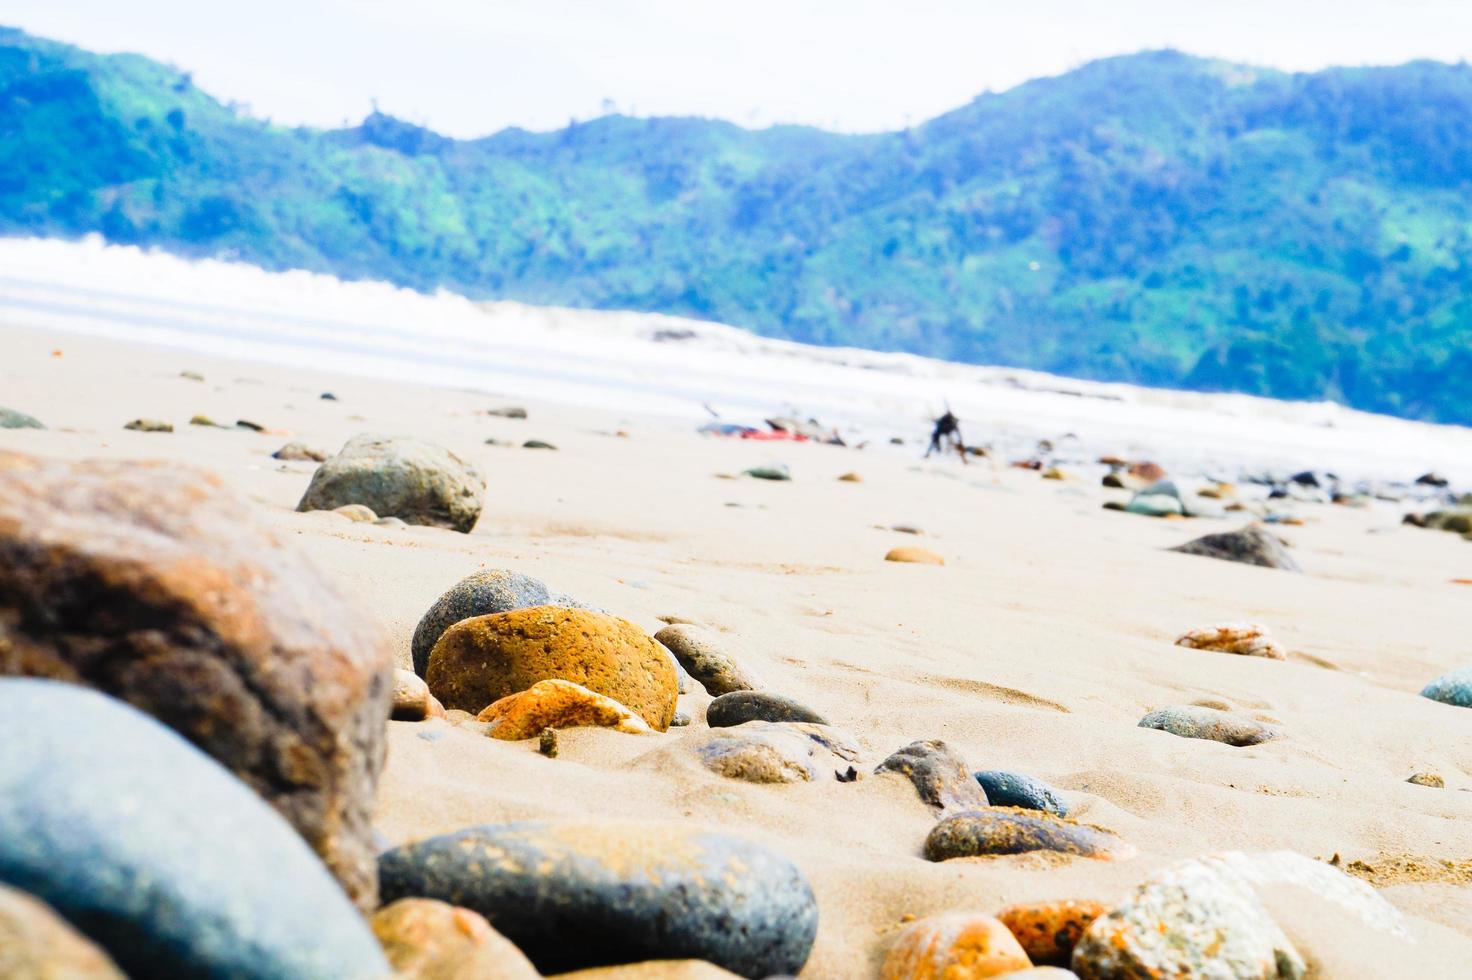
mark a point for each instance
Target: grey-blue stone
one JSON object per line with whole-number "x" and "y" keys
{"x": 160, "y": 856}
{"x": 11, "y": 419}
{"x": 572, "y": 896}
{"x": 1453, "y": 688}
{"x": 1005, "y": 788}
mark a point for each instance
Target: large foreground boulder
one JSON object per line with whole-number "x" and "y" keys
{"x": 1252, "y": 545}
{"x": 581, "y": 895}
{"x": 399, "y": 476}
{"x": 156, "y": 853}
{"x": 481, "y": 660}
{"x": 155, "y": 584}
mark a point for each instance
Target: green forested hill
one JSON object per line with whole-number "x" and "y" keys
{"x": 1154, "y": 218}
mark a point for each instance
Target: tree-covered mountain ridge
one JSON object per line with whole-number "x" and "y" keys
{"x": 1153, "y": 218}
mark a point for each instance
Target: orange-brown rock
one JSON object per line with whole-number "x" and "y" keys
{"x": 557, "y": 704}
{"x": 426, "y": 939}
{"x": 914, "y": 556}
{"x": 481, "y": 660}
{"x": 1247, "y": 639}
{"x": 1148, "y": 471}
{"x": 156, "y": 585}
{"x": 653, "y": 970}
{"x": 1048, "y": 931}
{"x": 38, "y": 944}
{"x": 954, "y": 946}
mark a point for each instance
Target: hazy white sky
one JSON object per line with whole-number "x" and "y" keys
{"x": 469, "y": 67}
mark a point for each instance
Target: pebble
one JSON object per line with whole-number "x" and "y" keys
{"x": 149, "y": 425}
{"x": 557, "y": 704}
{"x": 399, "y": 476}
{"x": 1004, "y": 788}
{"x": 1155, "y": 505}
{"x": 1048, "y": 931}
{"x": 411, "y": 697}
{"x": 1011, "y": 830}
{"x": 743, "y": 706}
{"x": 1252, "y": 545}
{"x": 425, "y": 939}
{"x": 772, "y": 752}
{"x": 1247, "y": 639}
{"x": 481, "y": 660}
{"x": 774, "y": 471}
{"x": 680, "y": 720}
{"x": 249, "y": 425}
{"x": 229, "y": 634}
{"x": 657, "y": 970}
{"x": 158, "y": 854}
{"x": 938, "y": 775}
{"x": 191, "y": 375}
{"x": 914, "y": 556}
{"x": 493, "y": 590}
{"x": 1454, "y": 687}
{"x": 327, "y": 396}
{"x": 850, "y": 478}
{"x": 537, "y": 444}
{"x": 547, "y": 742}
{"x": 1197, "y": 721}
{"x": 572, "y": 896}
{"x": 299, "y": 452}
{"x": 356, "y": 513}
{"x": 1147, "y": 471}
{"x": 206, "y": 421}
{"x": 705, "y": 656}
{"x": 37, "y": 944}
{"x": 11, "y": 419}
{"x": 509, "y": 412}
{"x": 954, "y": 946}
{"x": 1428, "y": 779}
{"x": 1204, "y": 917}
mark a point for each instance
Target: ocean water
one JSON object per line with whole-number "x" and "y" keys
{"x": 684, "y": 369}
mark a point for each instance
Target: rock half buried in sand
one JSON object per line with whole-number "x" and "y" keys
{"x": 773, "y": 752}
{"x": 399, "y": 476}
{"x": 1048, "y": 931}
{"x": 1454, "y": 687}
{"x": 537, "y": 444}
{"x": 1155, "y": 505}
{"x": 557, "y": 704}
{"x": 1205, "y": 917}
{"x": 356, "y": 513}
{"x": 705, "y": 655}
{"x": 1009, "y": 830}
{"x": 1196, "y": 721}
{"x": 954, "y": 946}
{"x": 493, "y": 590}
{"x": 772, "y": 471}
{"x": 156, "y": 853}
{"x": 580, "y": 895}
{"x": 1247, "y": 639}
{"x": 743, "y": 706}
{"x": 938, "y": 774}
{"x": 11, "y": 419}
{"x": 914, "y": 556}
{"x": 149, "y": 425}
{"x": 429, "y": 940}
{"x": 1252, "y": 545}
{"x": 481, "y": 660}
{"x": 155, "y": 584}
{"x": 37, "y": 944}
{"x": 1004, "y": 788}
{"x": 299, "y": 452}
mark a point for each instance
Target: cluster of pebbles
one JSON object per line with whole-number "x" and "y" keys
{"x": 211, "y": 817}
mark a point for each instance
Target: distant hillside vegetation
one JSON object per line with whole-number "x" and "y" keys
{"x": 1155, "y": 218}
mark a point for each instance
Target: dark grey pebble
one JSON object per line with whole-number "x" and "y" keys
{"x": 537, "y": 444}
{"x": 1252, "y": 545}
{"x": 743, "y": 706}
{"x": 1005, "y": 788}
{"x": 938, "y": 774}
{"x": 492, "y": 591}
{"x": 573, "y": 896}
{"x": 156, "y": 853}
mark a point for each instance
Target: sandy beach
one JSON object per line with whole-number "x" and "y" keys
{"x": 1037, "y": 647}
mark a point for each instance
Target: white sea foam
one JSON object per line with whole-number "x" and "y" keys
{"x": 647, "y": 363}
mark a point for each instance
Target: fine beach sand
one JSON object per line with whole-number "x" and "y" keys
{"x": 1037, "y": 647}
